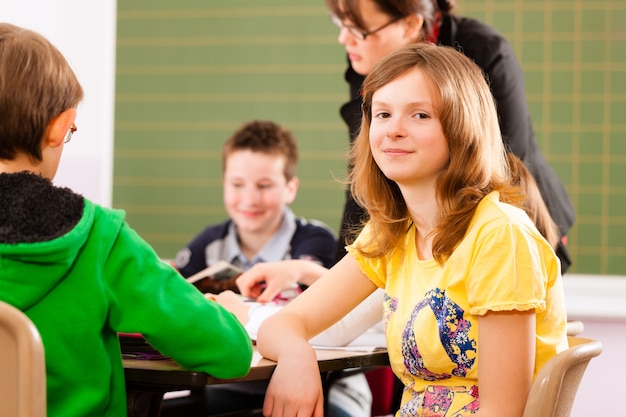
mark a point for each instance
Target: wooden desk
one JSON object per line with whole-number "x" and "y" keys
{"x": 148, "y": 380}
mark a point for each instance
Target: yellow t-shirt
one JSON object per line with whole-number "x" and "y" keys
{"x": 431, "y": 311}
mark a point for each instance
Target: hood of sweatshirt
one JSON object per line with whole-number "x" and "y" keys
{"x": 42, "y": 229}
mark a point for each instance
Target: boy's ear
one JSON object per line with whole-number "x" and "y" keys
{"x": 292, "y": 189}
{"x": 58, "y": 127}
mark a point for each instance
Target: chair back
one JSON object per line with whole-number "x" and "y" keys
{"x": 554, "y": 389}
{"x": 575, "y": 327}
{"x": 22, "y": 365}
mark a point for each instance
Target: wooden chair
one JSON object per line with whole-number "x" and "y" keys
{"x": 554, "y": 389}
{"x": 575, "y": 327}
{"x": 22, "y": 365}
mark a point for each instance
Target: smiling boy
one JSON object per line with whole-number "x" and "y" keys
{"x": 259, "y": 182}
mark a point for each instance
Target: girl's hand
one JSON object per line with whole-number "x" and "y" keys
{"x": 295, "y": 388}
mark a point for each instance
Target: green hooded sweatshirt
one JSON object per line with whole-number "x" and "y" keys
{"x": 82, "y": 275}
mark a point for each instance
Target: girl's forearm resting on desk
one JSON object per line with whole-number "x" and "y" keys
{"x": 296, "y": 384}
{"x": 295, "y": 387}
{"x": 333, "y": 296}
{"x": 364, "y": 316}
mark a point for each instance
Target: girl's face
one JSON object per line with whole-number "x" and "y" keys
{"x": 406, "y": 136}
{"x": 256, "y": 190}
{"x": 364, "y": 53}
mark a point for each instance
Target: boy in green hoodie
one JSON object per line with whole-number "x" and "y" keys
{"x": 77, "y": 269}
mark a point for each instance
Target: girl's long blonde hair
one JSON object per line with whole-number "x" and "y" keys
{"x": 478, "y": 161}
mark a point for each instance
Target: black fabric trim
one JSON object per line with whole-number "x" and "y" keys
{"x": 32, "y": 209}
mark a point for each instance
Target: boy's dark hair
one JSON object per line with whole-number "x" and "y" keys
{"x": 36, "y": 85}
{"x": 264, "y": 137}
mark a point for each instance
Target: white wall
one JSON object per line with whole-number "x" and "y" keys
{"x": 601, "y": 389}
{"x": 600, "y": 303}
{"x": 84, "y": 31}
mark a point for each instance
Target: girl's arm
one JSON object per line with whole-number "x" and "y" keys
{"x": 364, "y": 316}
{"x": 506, "y": 362}
{"x": 295, "y": 387}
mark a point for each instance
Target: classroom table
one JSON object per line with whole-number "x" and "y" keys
{"x": 148, "y": 380}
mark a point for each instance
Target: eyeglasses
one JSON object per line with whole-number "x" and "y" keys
{"x": 356, "y": 32}
{"x": 70, "y": 132}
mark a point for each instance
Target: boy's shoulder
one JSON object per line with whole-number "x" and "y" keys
{"x": 313, "y": 224}
{"x": 313, "y": 240}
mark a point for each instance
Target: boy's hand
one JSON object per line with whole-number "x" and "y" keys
{"x": 233, "y": 303}
{"x": 264, "y": 281}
